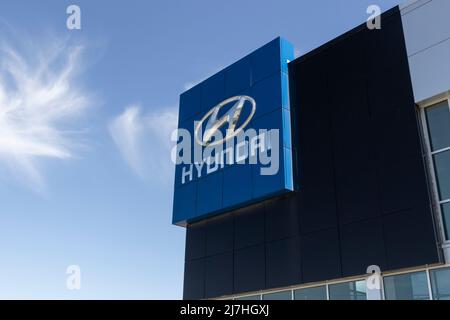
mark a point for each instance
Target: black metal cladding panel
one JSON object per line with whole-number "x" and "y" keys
{"x": 196, "y": 241}
{"x": 313, "y": 127}
{"x": 194, "y": 279}
{"x": 388, "y": 67}
{"x": 249, "y": 269}
{"x": 362, "y": 197}
{"x": 362, "y": 245}
{"x": 402, "y": 186}
{"x": 410, "y": 239}
{"x": 282, "y": 218}
{"x": 220, "y": 235}
{"x": 219, "y": 275}
{"x": 358, "y": 196}
{"x": 361, "y": 88}
{"x": 249, "y": 226}
{"x": 394, "y": 141}
{"x": 283, "y": 265}
{"x": 320, "y": 256}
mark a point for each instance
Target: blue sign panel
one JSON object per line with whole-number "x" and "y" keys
{"x": 234, "y": 144}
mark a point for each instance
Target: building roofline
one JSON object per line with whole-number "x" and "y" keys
{"x": 342, "y": 37}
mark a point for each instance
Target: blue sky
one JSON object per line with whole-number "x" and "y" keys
{"x": 85, "y": 122}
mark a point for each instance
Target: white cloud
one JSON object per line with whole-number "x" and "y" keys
{"x": 39, "y": 99}
{"x": 144, "y": 141}
{"x": 191, "y": 84}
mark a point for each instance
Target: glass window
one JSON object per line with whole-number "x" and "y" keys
{"x": 284, "y": 295}
{"x": 438, "y": 123}
{"x": 440, "y": 283}
{"x": 411, "y": 286}
{"x": 348, "y": 291}
{"x": 442, "y": 166}
{"x": 446, "y": 215}
{"x": 438, "y": 117}
{"x": 257, "y": 297}
{"x": 316, "y": 293}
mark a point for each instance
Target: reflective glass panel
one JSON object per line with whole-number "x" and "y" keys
{"x": 348, "y": 291}
{"x": 438, "y": 117}
{"x": 440, "y": 283}
{"x": 316, "y": 293}
{"x": 258, "y": 297}
{"x": 284, "y": 295}
{"x": 410, "y": 286}
{"x": 442, "y": 166}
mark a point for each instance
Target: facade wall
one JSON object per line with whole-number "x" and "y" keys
{"x": 428, "y": 44}
{"x": 362, "y": 195}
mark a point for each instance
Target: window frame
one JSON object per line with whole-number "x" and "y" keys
{"x": 425, "y": 273}
{"x": 432, "y": 271}
{"x": 429, "y": 160}
{"x": 427, "y": 269}
{"x": 324, "y": 286}
{"x": 330, "y": 285}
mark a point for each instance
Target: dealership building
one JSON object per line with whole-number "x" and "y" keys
{"x": 358, "y": 131}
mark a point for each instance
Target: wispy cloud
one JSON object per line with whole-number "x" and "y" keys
{"x": 190, "y": 84}
{"x": 39, "y": 99}
{"x": 143, "y": 140}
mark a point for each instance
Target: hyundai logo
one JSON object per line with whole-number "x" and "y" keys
{"x": 231, "y": 117}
